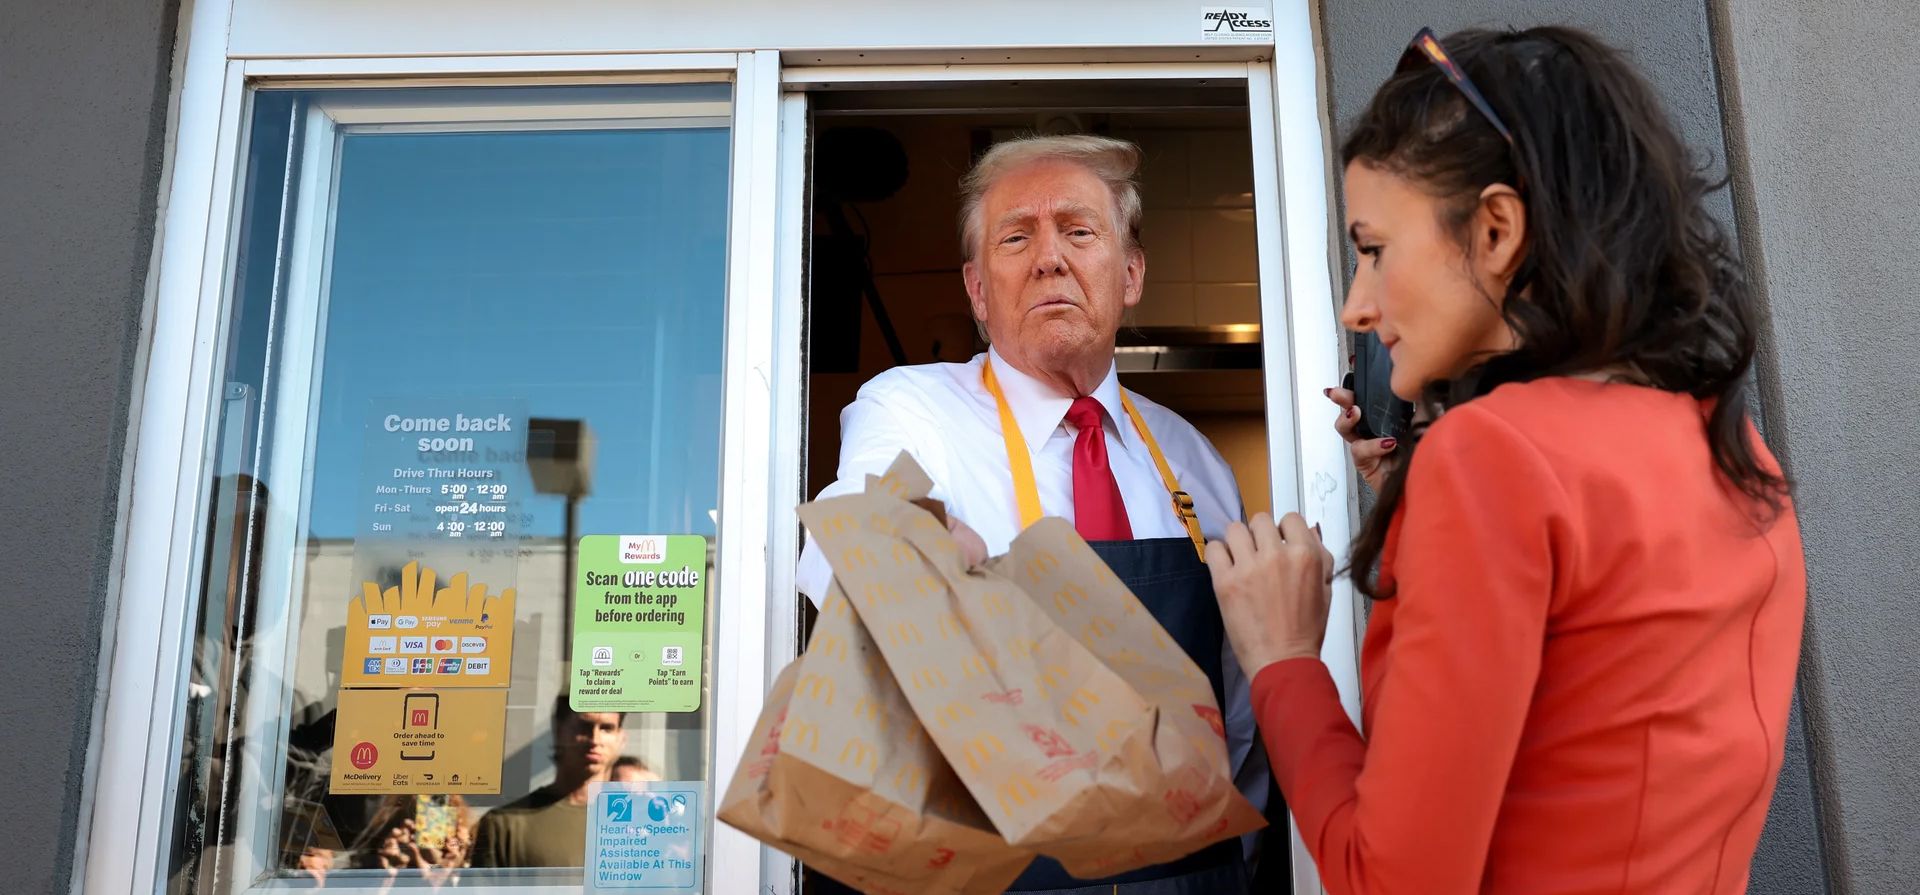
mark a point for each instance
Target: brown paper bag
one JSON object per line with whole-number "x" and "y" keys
{"x": 840, "y": 774}
{"x": 1082, "y": 730}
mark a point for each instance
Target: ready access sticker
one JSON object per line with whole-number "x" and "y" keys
{"x": 644, "y": 836}
{"x": 1236, "y": 24}
{"x": 639, "y": 623}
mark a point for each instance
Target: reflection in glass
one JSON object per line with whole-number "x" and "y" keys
{"x": 572, "y": 267}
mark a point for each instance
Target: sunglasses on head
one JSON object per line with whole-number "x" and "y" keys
{"x": 1425, "y": 48}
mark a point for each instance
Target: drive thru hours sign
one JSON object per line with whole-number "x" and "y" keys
{"x": 644, "y": 836}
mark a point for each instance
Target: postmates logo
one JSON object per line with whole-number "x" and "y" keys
{"x": 643, "y": 549}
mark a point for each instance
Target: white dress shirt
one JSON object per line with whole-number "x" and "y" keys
{"x": 944, "y": 416}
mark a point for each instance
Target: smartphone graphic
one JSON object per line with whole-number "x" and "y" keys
{"x": 420, "y": 711}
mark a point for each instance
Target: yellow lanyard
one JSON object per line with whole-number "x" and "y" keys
{"x": 1027, "y": 494}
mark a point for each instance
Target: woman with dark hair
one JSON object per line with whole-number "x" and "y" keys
{"x": 1587, "y": 577}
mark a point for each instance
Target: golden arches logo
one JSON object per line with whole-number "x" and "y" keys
{"x": 838, "y": 606}
{"x": 904, "y": 554}
{"x": 951, "y": 626}
{"x": 815, "y": 686}
{"x": 978, "y": 665}
{"x": 996, "y": 604}
{"x": 836, "y": 524}
{"x": 856, "y": 558}
{"x": 800, "y": 733}
{"x": 893, "y": 485}
{"x": 1097, "y": 628}
{"x": 1069, "y": 596}
{"x": 954, "y": 713}
{"x": 880, "y": 523}
{"x": 911, "y": 777}
{"x": 1079, "y": 705}
{"x": 982, "y": 751}
{"x": 905, "y": 634}
{"x": 1051, "y": 677}
{"x": 928, "y": 585}
{"x": 880, "y": 594}
{"x": 860, "y": 754}
{"x": 1016, "y": 793}
{"x": 1113, "y": 735}
{"x": 929, "y": 678}
{"x": 1022, "y": 647}
{"x": 871, "y": 709}
{"x": 1041, "y": 564}
{"x": 831, "y": 645}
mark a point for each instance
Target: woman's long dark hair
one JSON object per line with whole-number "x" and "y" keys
{"x": 1624, "y": 268}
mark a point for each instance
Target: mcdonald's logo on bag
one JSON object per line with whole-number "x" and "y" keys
{"x": 836, "y": 524}
{"x": 950, "y": 626}
{"x": 1016, "y": 793}
{"x": 1079, "y": 705}
{"x": 929, "y": 678}
{"x": 1050, "y": 677}
{"x": 856, "y": 558}
{"x": 982, "y": 750}
{"x": 954, "y": 713}
{"x": 795, "y": 732}
{"x": 1068, "y": 597}
{"x": 996, "y": 603}
{"x": 906, "y": 634}
{"x": 1041, "y": 565}
{"x": 977, "y": 665}
{"x": 904, "y": 554}
{"x": 1098, "y": 628}
{"x": 830, "y": 645}
{"x": 815, "y": 686}
{"x": 859, "y": 753}
{"x": 910, "y": 778}
{"x": 879, "y": 595}
{"x": 869, "y": 707}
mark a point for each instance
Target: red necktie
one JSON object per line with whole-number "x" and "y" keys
{"x": 1098, "y": 512}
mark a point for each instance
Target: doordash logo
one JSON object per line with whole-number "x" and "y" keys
{"x": 643, "y": 549}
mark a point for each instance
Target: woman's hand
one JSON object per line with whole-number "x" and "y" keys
{"x": 1371, "y": 456}
{"x": 1274, "y": 585}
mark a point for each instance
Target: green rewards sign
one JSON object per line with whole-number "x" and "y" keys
{"x": 639, "y": 613}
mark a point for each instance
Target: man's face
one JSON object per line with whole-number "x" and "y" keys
{"x": 1055, "y": 270}
{"x": 590, "y": 742}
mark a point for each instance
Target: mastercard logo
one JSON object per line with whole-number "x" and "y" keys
{"x": 444, "y": 644}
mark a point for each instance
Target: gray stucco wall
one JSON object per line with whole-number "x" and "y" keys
{"x": 1824, "y": 139}
{"x": 83, "y": 91}
{"x": 1673, "y": 44}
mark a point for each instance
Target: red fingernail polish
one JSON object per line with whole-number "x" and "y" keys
{"x": 1388, "y": 444}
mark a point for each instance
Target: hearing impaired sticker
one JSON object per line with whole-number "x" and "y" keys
{"x": 418, "y": 741}
{"x": 644, "y": 836}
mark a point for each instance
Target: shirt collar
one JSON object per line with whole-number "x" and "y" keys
{"x": 1039, "y": 409}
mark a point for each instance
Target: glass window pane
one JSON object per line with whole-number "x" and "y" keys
{"x": 474, "y": 364}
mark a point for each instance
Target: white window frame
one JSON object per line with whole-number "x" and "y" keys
{"x": 138, "y": 732}
{"x": 1308, "y": 464}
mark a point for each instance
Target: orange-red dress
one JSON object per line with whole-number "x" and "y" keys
{"x": 1581, "y": 682}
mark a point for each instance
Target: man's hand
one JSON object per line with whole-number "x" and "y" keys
{"x": 973, "y": 548}
{"x": 1274, "y": 585}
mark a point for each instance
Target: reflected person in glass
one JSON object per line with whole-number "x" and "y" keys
{"x": 548, "y": 827}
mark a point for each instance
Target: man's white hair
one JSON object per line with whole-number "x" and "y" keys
{"x": 1114, "y": 161}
